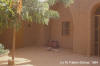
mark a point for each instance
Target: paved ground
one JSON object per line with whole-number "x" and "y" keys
{"x": 39, "y": 56}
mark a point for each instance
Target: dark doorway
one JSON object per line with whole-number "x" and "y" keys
{"x": 97, "y": 33}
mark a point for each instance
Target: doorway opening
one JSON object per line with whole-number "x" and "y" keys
{"x": 97, "y": 33}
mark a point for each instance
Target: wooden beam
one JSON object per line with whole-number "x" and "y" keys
{"x": 97, "y": 15}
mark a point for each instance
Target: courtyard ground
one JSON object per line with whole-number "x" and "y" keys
{"x": 40, "y": 56}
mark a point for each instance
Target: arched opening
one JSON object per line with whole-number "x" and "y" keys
{"x": 96, "y": 46}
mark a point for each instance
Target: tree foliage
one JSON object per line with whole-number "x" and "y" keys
{"x": 30, "y": 11}
{"x": 2, "y": 50}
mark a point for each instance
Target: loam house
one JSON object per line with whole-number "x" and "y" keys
{"x": 77, "y": 29}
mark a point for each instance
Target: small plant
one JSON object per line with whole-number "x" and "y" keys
{"x": 2, "y": 50}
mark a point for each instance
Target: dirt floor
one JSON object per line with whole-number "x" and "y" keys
{"x": 40, "y": 56}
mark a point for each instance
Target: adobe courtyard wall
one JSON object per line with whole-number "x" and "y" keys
{"x": 26, "y": 36}
{"x": 81, "y": 16}
{"x": 65, "y": 41}
{"x": 82, "y": 20}
{"x": 6, "y": 38}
